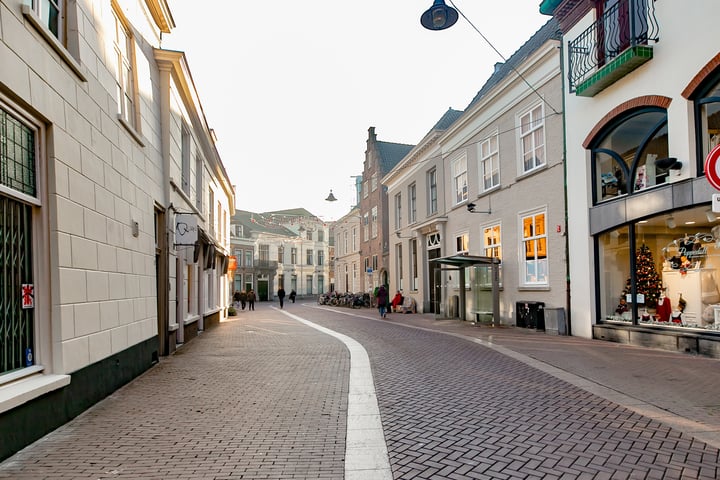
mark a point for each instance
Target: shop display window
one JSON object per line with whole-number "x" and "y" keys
{"x": 673, "y": 263}
{"x": 707, "y": 109}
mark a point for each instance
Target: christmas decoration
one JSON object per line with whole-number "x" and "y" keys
{"x": 648, "y": 282}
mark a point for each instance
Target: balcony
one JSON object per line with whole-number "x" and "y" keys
{"x": 266, "y": 264}
{"x": 615, "y": 45}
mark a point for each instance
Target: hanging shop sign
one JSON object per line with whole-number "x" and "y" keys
{"x": 186, "y": 229}
{"x": 712, "y": 167}
{"x": 28, "y": 295}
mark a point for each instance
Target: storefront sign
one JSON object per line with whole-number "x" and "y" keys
{"x": 28, "y": 295}
{"x": 186, "y": 229}
{"x": 712, "y": 167}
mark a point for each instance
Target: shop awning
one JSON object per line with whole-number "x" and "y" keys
{"x": 462, "y": 261}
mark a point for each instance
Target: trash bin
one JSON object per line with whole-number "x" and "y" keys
{"x": 530, "y": 315}
{"x": 555, "y": 323}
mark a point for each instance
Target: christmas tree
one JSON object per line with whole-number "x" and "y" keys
{"x": 646, "y": 276}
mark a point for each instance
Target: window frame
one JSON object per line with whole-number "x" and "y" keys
{"x": 432, "y": 191}
{"x": 533, "y": 125}
{"x": 398, "y": 210}
{"x": 412, "y": 203}
{"x": 459, "y": 180}
{"x": 488, "y": 154}
{"x": 126, "y": 83}
{"x": 493, "y": 250}
{"x": 523, "y": 240}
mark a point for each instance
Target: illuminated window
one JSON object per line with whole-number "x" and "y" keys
{"x": 534, "y": 268}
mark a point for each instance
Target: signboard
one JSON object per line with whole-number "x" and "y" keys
{"x": 28, "y": 295}
{"x": 186, "y": 229}
{"x": 369, "y": 270}
{"x": 711, "y": 167}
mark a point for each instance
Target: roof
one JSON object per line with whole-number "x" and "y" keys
{"x": 391, "y": 154}
{"x": 447, "y": 119}
{"x": 549, "y": 31}
{"x": 261, "y": 223}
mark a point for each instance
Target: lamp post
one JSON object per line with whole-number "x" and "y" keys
{"x": 301, "y": 230}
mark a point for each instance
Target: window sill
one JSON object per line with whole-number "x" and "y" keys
{"x": 28, "y": 385}
{"x": 35, "y": 21}
{"x": 131, "y": 130}
{"x": 534, "y": 288}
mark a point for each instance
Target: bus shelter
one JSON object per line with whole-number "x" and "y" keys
{"x": 456, "y": 277}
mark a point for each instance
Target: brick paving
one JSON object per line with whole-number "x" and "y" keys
{"x": 265, "y": 397}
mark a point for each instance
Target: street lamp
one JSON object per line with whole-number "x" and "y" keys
{"x": 439, "y": 16}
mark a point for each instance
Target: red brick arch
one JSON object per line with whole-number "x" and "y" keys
{"x": 698, "y": 79}
{"x": 637, "y": 102}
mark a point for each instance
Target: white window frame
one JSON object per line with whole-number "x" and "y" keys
{"x": 492, "y": 248}
{"x": 374, "y": 222}
{"x": 459, "y": 179}
{"x": 185, "y": 154}
{"x": 412, "y": 203}
{"x": 125, "y": 79}
{"x": 531, "y": 139}
{"x": 42, "y": 10}
{"x": 414, "y": 264}
{"x": 462, "y": 242}
{"x": 489, "y": 154}
{"x": 533, "y": 272}
{"x": 432, "y": 191}
{"x": 398, "y": 210}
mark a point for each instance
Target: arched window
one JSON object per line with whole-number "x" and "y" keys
{"x": 625, "y": 155}
{"x": 707, "y": 117}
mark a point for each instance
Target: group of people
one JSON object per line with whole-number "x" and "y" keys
{"x": 243, "y": 298}
{"x": 382, "y": 295}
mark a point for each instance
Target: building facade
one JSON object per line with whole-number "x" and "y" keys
{"x": 490, "y": 184}
{"x": 286, "y": 247}
{"x": 94, "y": 121}
{"x": 347, "y": 263}
{"x": 642, "y": 97}
{"x": 380, "y": 158}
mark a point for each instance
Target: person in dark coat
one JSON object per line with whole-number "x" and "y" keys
{"x": 382, "y": 300}
{"x": 292, "y": 295}
{"x": 243, "y": 299}
{"x": 251, "y": 299}
{"x": 281, "y": 296}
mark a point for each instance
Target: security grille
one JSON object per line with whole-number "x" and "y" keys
{"x": 16, "y": 324}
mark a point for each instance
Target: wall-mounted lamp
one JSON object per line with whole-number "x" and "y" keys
{"x": 331, "y": 197}
{"x": 471, "y": 209}
{"x": 670, "y": 222}
{"x": 670, "y": 163}
{"x": 439, "y": 16}
{"x": 400, "y": 236}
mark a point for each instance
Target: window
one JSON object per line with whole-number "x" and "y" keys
{"x": 281, "y": 254}
{"x": 354, "y": 239}
{"x": 320, "y": 283}
{"x": 398, "y": 211}
{"x": 365, "y": 189}
{"x": 345, "y": 242}
{"x": 462, "y": 243}
{"x": 248, "y": 258}
{"x": 433, "y": 193}
{"x": 624, "y": 157}
{"x": 198, "y": 182}
{"x": 19, "y": 147}
{"x": 124, "y": 75}
{"x": 374, "y": 222}
{"x": 374, "y": 262}
{"x": 308, "y": 284}
{"x": 413, "y": 264}
{"x": 321, "y": 235}
{"x": 412, "y": 204}
{"x": 532, "y": 139}
{"x": 366, "y": 235}
{"x": 534, "y": 268}
{"x": 490, "y": 163}
{"x": 293, "y": 256}
{"x": 308, "y": 235}
{"x": 374, "y": 181}
{"x": 211, "y": 211}
{"x": 264, "y": 253}
{"x": 491, "y": 242}
{"x": 321, "y": 257}
{"x": 50, "y": 13}
{"x": 399, "y": 254}
{"x": 309, "y": 256}
{"x": 185, "y": 153}
{"x": 459, "y": 180}
{"x": 707, "y": 114}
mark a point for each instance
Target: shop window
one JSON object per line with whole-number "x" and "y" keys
{"x": 632, "y": 155}
{"x": 662, "y": 272}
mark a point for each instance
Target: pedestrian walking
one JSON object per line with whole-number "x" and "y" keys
{"x": 382, "y": 298}
{"x": 281, "y": 296}
{"x": 243, "y": 299}
{"x": 292, "y": 295}
{"x": 251, "y": 299}
{"x": 236, "y": 299}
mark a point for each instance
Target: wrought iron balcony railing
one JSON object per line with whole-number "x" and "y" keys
{"x": 627, "y": 24}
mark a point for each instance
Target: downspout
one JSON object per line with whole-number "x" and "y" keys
{"x": 565, "y": 189}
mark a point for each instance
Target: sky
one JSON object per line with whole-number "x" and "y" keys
{"x": 292, "y": 87}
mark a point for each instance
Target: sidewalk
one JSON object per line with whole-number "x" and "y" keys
{"x": 680, "y": 390}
